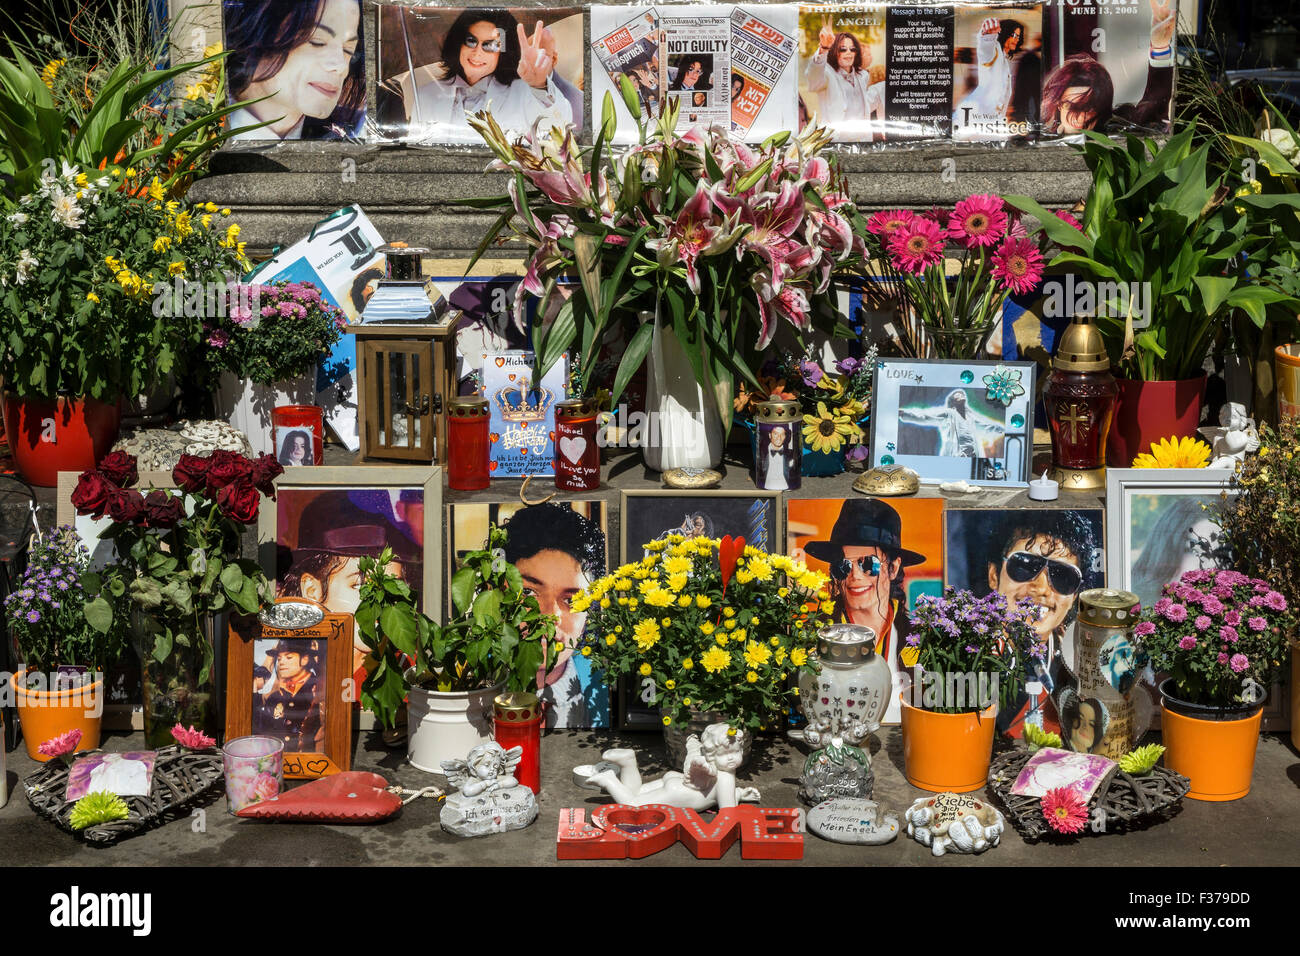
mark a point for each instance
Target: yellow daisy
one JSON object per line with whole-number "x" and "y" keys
{"x": 826, "y": 432}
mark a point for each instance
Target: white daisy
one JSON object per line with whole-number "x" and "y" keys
{"x": 26, "y": 263}
{"x": 66, "y": 212}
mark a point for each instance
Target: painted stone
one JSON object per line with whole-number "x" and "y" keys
{"x": 692, "y": 478}
{"x": 955, "y": 822}
{"x": 498, "y": 811}
{"x": 850, "y": 820}
{"x": 838, "y": 770}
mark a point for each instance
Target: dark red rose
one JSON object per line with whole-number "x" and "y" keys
{"x": 162, "y": 510}
{"x": 90, "y": 497}
{"x": 226, "y": 468}
{"x": 119, "y": 468}
{"x": 125, "y": 505}
{"x": 190, "y": 473}
{"x": 239, "y": 501}
{"x": 265, "y": 470}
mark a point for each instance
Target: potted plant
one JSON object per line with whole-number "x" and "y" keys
{"x": 263, "y": 353}
{"x": 715, "y": 243}
{"x": 973, "y": 654}
{"x": 177, "y": 571}
{"x": 1222, "y": 636}
{"x": 60, "y": 685}
{"x": 1167, "y": 259}
{"x": 496, "y": 640}
{"x": 1261, "y": 525}
{"x": 722, "y": 633}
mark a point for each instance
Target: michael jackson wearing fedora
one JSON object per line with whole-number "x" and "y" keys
{"x": 867, "y": 559}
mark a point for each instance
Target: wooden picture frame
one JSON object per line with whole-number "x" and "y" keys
{"x": 334, "y": 698}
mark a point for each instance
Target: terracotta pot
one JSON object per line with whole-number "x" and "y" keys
{"x": 1214, "y": 748}
{"x": 947, "y": 752}
{"x": 1286, "y": 364}
{"x": 46, "y": 714}
{"x": 50, "y": 435}
{"x": 1146, "y": 412}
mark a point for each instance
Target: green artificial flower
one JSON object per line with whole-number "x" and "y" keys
{"x": 1037, "y": 738}
{"x": 1140, "y": 761}
{"x": 98, "y": 807}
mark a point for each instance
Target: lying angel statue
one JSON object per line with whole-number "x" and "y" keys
{"x": 708, "y": 777}
{"x": 487, "y": 768}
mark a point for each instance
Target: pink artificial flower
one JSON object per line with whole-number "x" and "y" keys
{"x": 1186, "y": 643}
{"x": 888, "y": 222}
{"x": 1018, "y": 264}
{"x": 62, "y": 745}
{"x": 192, "y": 739}
{"x": 917, "y": 246}
{"x": 1065, "y": 810}
{"x": 977, "y": 221}
{"x": 1239, "y": 663}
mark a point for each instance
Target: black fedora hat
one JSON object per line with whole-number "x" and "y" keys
{"x": 353, "y": 523}
{"x": 864, "y": 523}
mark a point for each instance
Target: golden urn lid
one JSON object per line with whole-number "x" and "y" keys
{"x": 1107, "y": 607}
{"x": 517, "y": 708}
{"x": 1081, "y": 348}
{"x": 779, "y": 411}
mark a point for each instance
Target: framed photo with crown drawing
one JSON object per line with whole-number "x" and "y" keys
{"x": 521, "y": 427}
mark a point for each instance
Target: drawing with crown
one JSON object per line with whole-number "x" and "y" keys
{"x": 521, "y": 428}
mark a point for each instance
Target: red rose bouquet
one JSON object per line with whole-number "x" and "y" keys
{"x": 177, "y": 567}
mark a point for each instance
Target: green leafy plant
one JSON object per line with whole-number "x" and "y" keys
{"x": 728, "y": 646}
{"x": 497, "y": 632}
{"x": 1159, "y": 234}
{"x": 99, "y": 806}
{"x": 1141, "y": 760}
{"x": 1037, "y": 738}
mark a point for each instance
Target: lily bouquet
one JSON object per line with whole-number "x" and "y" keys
{"x": 725, "y": 242}
{"x": 998, "y": 258}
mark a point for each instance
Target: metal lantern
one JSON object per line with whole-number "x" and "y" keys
{"x": 778, "y": 444}
{"x": 1100, "y": 715}
{"x": 1080, "y": 398}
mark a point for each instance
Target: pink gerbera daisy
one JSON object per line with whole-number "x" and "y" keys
{"x": 1068, "y": 219}
{"x": 1065, "y": 810}
{"x": 977, "y": 221}
{"x": 917, "y": 245}
{"x": 192, "y": 739}
{"x": 62, "y": 745}
{"x": 1018, "y": 265}
{"x": 889, "y": 221}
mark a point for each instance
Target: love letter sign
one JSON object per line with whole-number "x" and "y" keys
{"x": 618, "y": 832}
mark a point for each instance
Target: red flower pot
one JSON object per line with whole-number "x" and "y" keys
{"x": 1146, "y": 412}
{"x": 50, "y": 435}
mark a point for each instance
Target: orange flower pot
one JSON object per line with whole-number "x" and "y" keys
{"x": 48, "y": 436}
{"x": 46, "y": 714}
{"x": 947, "y": 752}
{"x": 1217, "y": 756}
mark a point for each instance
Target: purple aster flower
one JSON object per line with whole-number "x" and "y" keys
{"x": 1187, "y": 643}
{"x": 33, "y": 616}
{"x": 972, "y": 649}
{"x": 1256, "y": 623}
{"x": 1229, "y": 634}
{"x": 1239, "y": 663}
{"x": 1145, "y": 629}
{"x": 1201, "y": 622}
{"x": 62, "y": 585}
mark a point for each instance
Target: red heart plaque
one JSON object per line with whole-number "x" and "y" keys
{"x": 356, "y": 796}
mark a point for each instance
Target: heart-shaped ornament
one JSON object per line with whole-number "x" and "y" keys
{"x": 494, "y": 437}
{"x": 572, "y": 448}
{"x": 356, "y": 796}
{"x": 729, "y": 551}
{"x": 512, "y": 376}
{"x": 501, "y": 363}
{"x": 492, "y": 466}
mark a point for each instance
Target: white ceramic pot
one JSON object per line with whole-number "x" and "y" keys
{"x": 685, "y": 429}
{"x": 248, "y": 405}
{"x": 447, "y": 726}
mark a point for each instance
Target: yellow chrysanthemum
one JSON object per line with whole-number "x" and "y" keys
{"x": 676, "y": 582}
{"x": 810, "y": 581}
{"x": 175, "y": 268}
{"x": 1175, "y": 453}
{"x": 828, "y": 607}
{"x": 684, "y": 600}
{"x": 162, "y": 244}
{"x": 658, "y": 597}
{"x": 580, "y": 602}
{"x": 702, "y": 601}
{"x": 740, "y": 634}
{"x": 646, "y": 670}
{"x": 780, "y": 655}
{"x": 756, "y": 655}
{"x": 667, "y": 720}
{"x": 722, "y": 638}
{"x": 646, "y": 633}
{"x": 623, "y": 584}
{"x": 775, "y": 642}
{"x": 728, "y": 612}
{"x": 760, "y": 569}
{"x": 611, "y": 639}
{"x": 782, "y": 592}
{"x": 744, "y": 575}
{"x": 826, "y": 432}
{"x": 687, "y": 665}
{"x": 729, "y": 623}
{"x": 586, "y": 652}
{"x": 715, "y": 659}
{"x": 91, "y": 297}
{"x": 670, "y": 683}
{"x": 706, "y": 628}
{"x": 798, "y": 657}
{"x": 677, "y": 565}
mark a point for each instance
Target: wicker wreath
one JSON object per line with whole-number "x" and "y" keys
{"x": 180, "y": 777}
{"x": 1126, "y": 800}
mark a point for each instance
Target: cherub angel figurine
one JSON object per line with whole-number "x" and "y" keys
{"x": 487, "y": 768}
{"x": 1233, "y": 437}
{"x": 708, "y": 776}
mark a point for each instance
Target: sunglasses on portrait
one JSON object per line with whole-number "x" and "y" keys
{"x": 842, "y": 568}
{"x": 1023, "y": 566}
{"x": 496, "y": 45}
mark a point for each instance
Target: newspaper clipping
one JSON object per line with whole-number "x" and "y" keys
{"x": 997, "y": 72}
{"x": 697, "y": 72}
{"x": 762, "y": 89}
{"x": 625, "y": 41}
{"x": 842, "y": 62}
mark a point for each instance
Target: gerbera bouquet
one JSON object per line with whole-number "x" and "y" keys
{"x": 709, "y": 633}
{"x": 1221, "y": 634}
{"x": 997, "y": 258}
{"x": 723, "y": 241}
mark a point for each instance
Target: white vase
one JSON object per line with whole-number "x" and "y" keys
{"x": 684, "y": 428}
{"x": 248, "y": 405}
{"x": 447, "y": 726}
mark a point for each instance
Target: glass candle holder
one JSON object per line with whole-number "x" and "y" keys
{"x": 517, "y": 722}
{"x": 778, "y": 445}
{"x": 1102, "y": 716}
{"x": 577, "y": 456}
{"x": 467, "y": 443}
{"x": 1079, "y": 396}
{"x": 298, "y": 434}
{"x": 254, "y": 771}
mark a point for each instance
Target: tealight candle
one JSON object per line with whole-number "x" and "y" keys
{"x": 1044, "y": 489}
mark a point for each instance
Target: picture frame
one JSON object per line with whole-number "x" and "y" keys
{"x": 310, "y": 674}
{"x": 348, "y": 513}
{"x": 559, "y": 547}
{"x": 955, "y": 419}
{"x": 665, "y": 510}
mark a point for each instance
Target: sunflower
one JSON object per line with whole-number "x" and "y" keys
{"x": 827, "y": 431}
{"x": 1175, "y": 453}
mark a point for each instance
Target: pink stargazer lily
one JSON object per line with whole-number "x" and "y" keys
{"x": 790, "y": 303}
{"x": 693, "y": 234}
{"x": 773, "y": 218}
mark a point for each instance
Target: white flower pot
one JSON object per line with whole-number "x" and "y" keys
{"x": 248, "y": 405}
{"x": 447, "y": 726}
{"x": 685, "y": 427}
